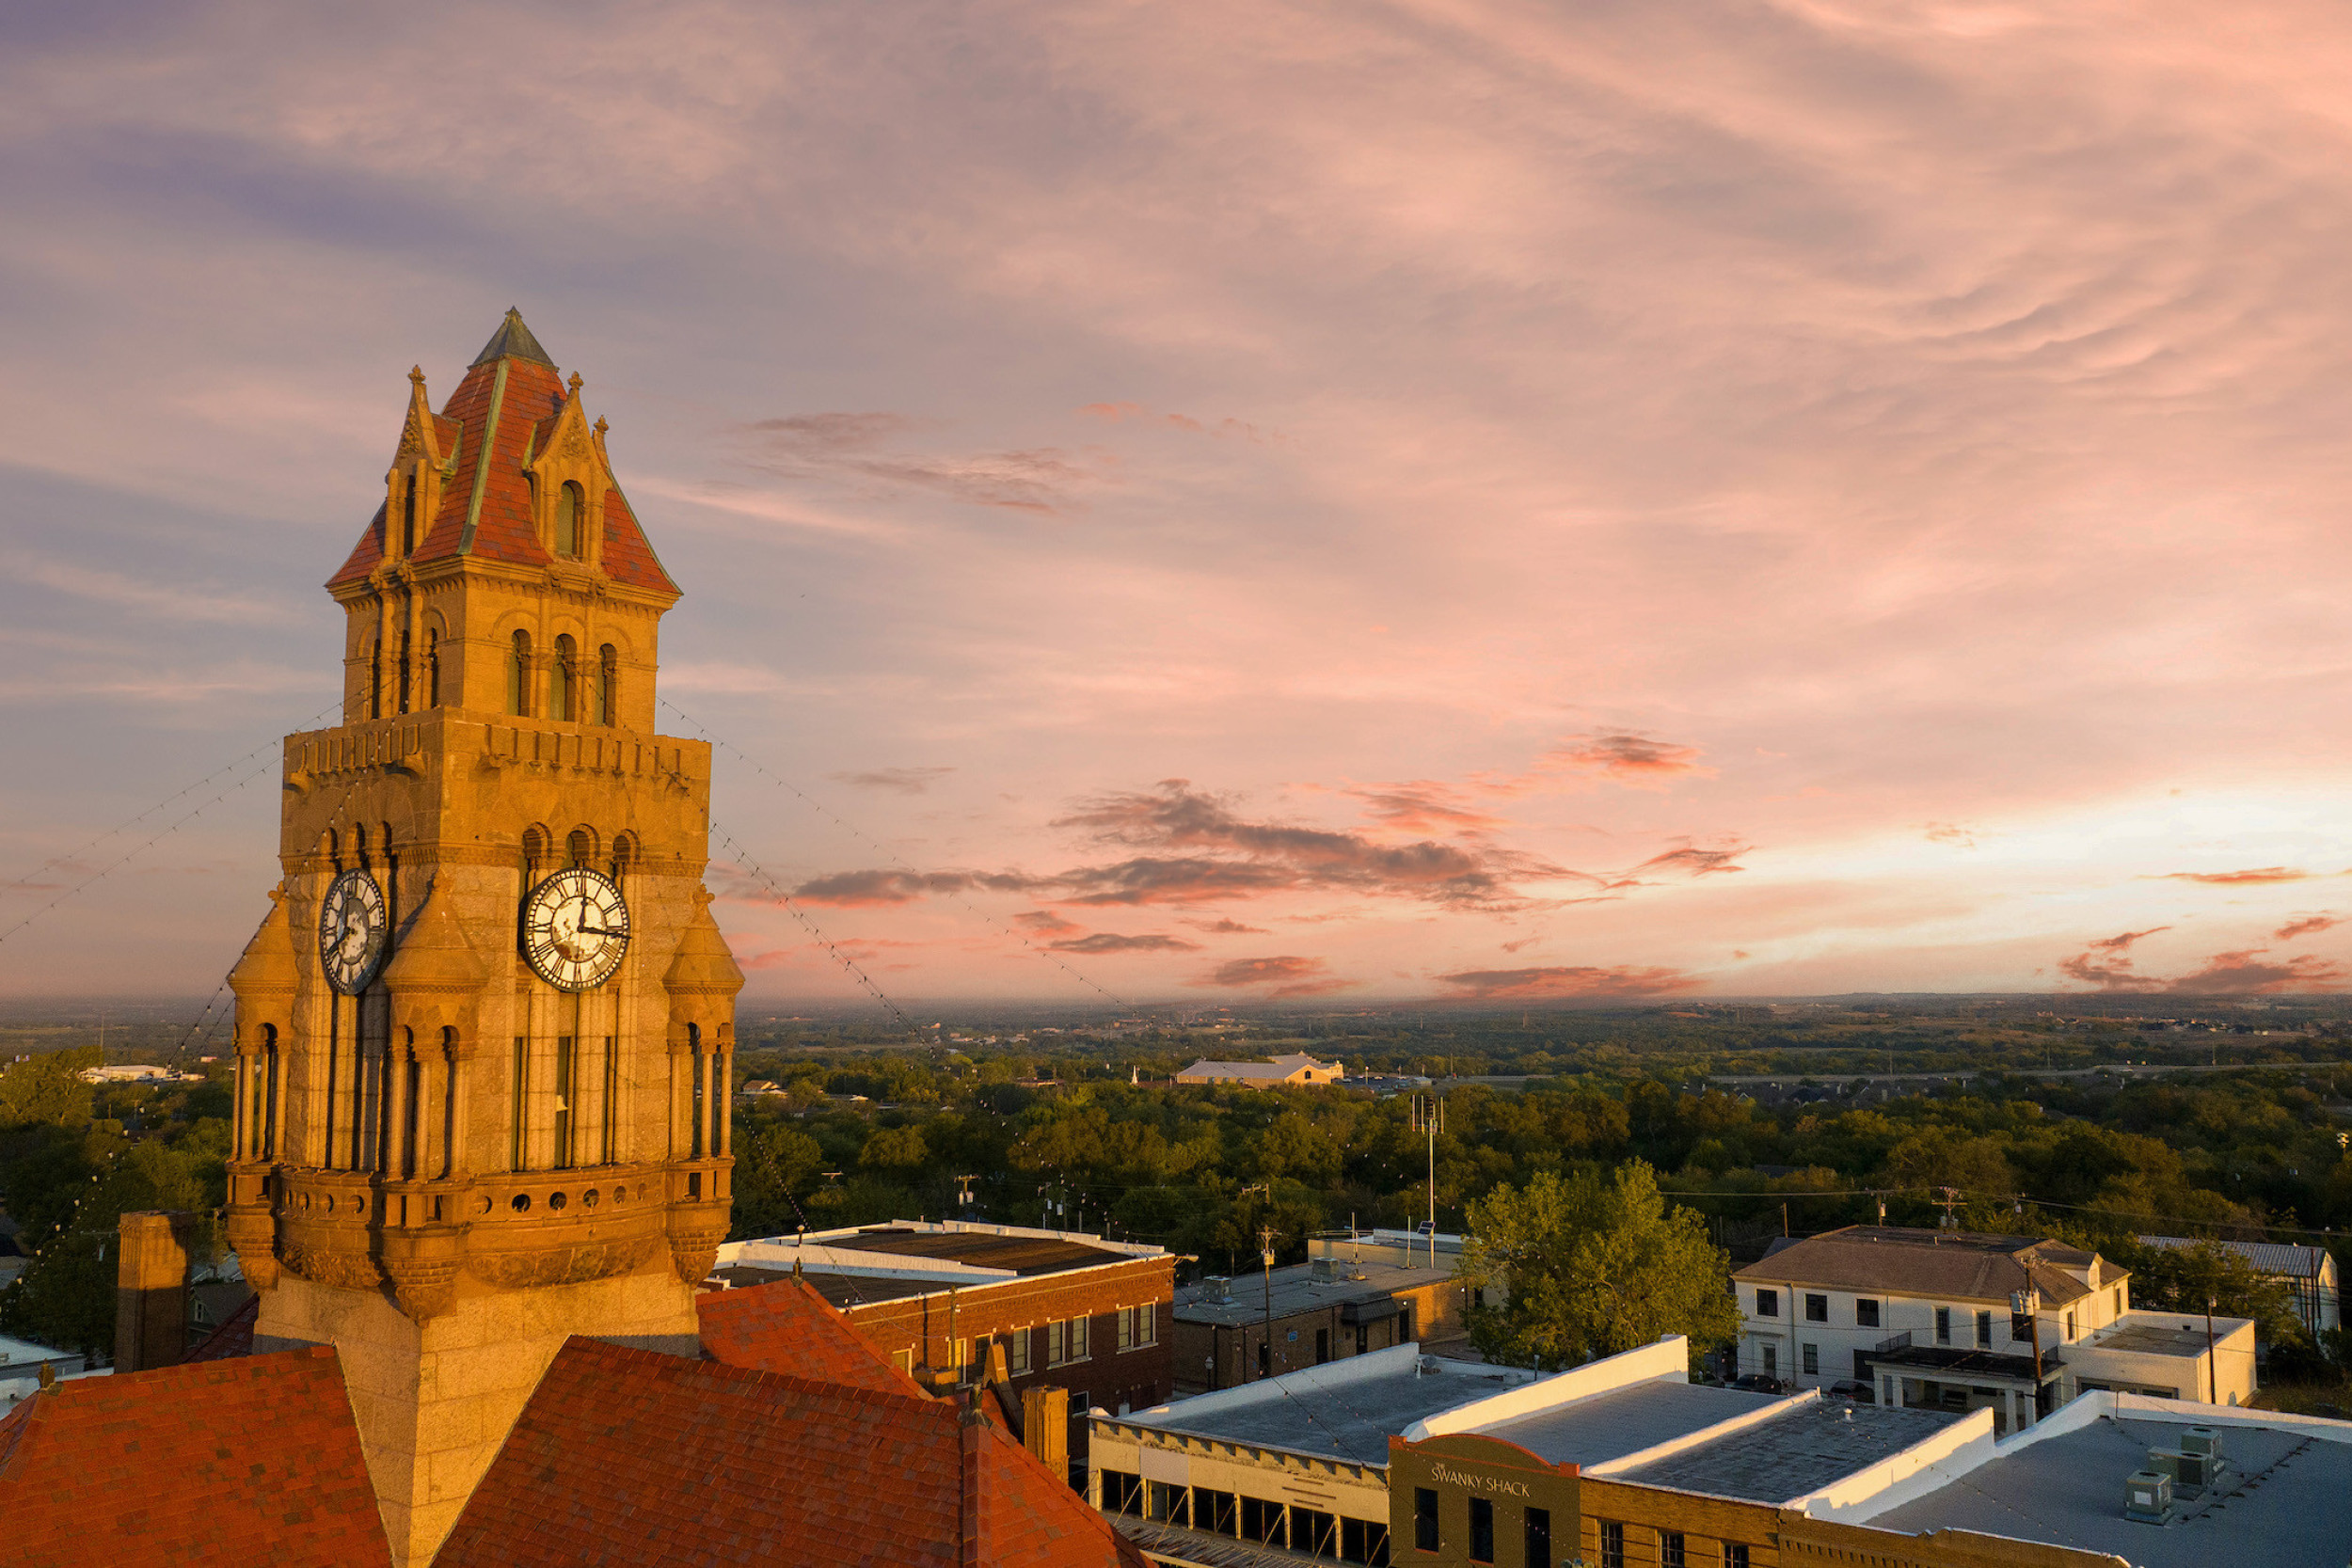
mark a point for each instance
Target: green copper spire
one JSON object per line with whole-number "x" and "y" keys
{"x": 512, "y": 340}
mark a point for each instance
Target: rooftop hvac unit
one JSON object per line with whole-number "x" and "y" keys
{"x": 2148, "y": 1497}
{"x": 2204, "y": 1440}
{"x": 1327, "y": 1271}
{"x": 1219, "y": 1289}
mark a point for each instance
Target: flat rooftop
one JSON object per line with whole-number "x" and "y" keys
{"x": 1624, "y": 1420}
{"x": 1351, "y": 1419}
{"x": 1296, "y": 1292}
{"x": 843, "y": 1289}
{"x": 1017, "y": 1254}
{"x": 2156, "y": 1338}
{"x": 1810, "y": 1444}
{"x": 2286, "y": 1508}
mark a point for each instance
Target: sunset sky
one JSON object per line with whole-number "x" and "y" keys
{"x": 1250, "y": 501}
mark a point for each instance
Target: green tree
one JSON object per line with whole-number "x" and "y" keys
{"x": 1589, "y": 1266}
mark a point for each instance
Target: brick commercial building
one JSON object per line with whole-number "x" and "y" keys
{"x": 1322, "y": 1310}
{"x": 945, "y": 1301}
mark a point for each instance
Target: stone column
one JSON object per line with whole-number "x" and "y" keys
{"x": 241, "y": 1124}
{"x": 151, "y": 1290}
{"x": 460, "y": 1079}
{"x": 395, "y": 1130}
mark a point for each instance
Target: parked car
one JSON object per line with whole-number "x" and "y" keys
{"x": 1759, "y": 1382}
{"x": 1849, "y": 1388}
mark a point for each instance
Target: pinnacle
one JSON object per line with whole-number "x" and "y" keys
{"x": 512, "y": 340}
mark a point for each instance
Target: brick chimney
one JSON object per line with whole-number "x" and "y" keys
{"x": 152, "y": 1289}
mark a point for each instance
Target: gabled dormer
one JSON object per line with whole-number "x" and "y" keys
{"x": 569, "y": 482}
{"x": 420, "y": 466}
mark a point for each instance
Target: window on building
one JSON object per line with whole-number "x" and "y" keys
{"x": 1768, "y": 1303}
{"x": 1812, "y": 1361}
{"x": 1313, "y": 1532}
{"x": 1672, "y": 1553}
{"x": 408, "y": 516}
{"x": 566, "y": 1094}
{"x": 1735, "y": 1555}
{"x": 1943, "y": 1325}
{"x": 1984, "y": 1330}
{"x": 518, "y": 674}
{"x": 2070, "y": 1328}
{"x": 1066, "y": 1343}
{"x": 2119, "y": 1301}
{"x": 1016, "y": 1352}
{"x": 1323, "y": 1346}
{"x": 1264, "y": 1522}
{"x": 561, "y": 673}
{"x": 1612, "y": 1544}
{"x": 903, "y": 1360}
{"x": 1424, "y": 1519}
{"x": 1865, "y": 1312}
{"x": 1123, "y": 1493}
{"x": 433, "y": 669}
{"x": 1079, "y": 1338}
{"x": 1538, "y": 1532}
{"x": 1482, "y": 1531}
{"x": 1169, "y": 1503}
{"x": 570, "y": 519}
{"x": 608, "y": 683}
{"x": 1771, "y": 1360}
{"x": 1816, "y": 1309}
{"x": 1218, "y": 1513}
{"x": 1266, "y": 1359}
{"x": 1367, "y": 1541}
{"x": 1137, "y": 1326}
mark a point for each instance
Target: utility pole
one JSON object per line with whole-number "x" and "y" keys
{"x": 1265, "y": 1253}
{"x": 964, "y": 1192}
{"x": 2028, "y": 1304}
{"x": 1949, "y": 1201}
{"x": 1429, "y": 1116}
{"x": 2213, "y": 1371}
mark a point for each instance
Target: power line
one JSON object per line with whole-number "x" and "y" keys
{"x": 819, "y": 937}
{"x": 834, "y": 817}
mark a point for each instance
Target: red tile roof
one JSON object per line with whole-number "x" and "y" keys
{"x": 631, "y": 1456}
{"x": 789, "y": 1327}
{"x": 254, "y": 1460}
{"x": 531, "y": 397}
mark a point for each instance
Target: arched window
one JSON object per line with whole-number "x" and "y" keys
{"x": 518, "y": 674}
{"x": 560, "y": 678}
{"x": 608, "y": 682}
{"x": 432, "y": 668}
{"x": 404, "y": 672}
{"x": 580, "y": 847}
{"x": 535, "y": 851}
{"x": 571, "y": 515}
{"x": 376, "y": 680}
{"x": 408, "y": 516}
{"x": 624, "y": 855}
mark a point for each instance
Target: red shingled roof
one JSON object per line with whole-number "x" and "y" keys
{"x": 789, "y": 1327}
{"x": 631, "y": 1456}
{"x": 249, "y": 1461}
{"x": 532, "y": 395}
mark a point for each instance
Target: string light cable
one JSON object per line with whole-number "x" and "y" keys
{"x": 742, "y": 857}
{"x": 892, "y": 857}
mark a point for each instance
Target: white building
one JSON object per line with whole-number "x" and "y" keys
{"x": 1933, "y": 1309}
{"x": 2166, "y": 1356}
{"x": 2309, "y": 1271}
{"x": 1291, "y": 1071}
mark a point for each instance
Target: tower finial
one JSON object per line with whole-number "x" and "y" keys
{"x": 573, "y": 385}
{"x": 416, "y": 375}
{"x": 512, "y": 340}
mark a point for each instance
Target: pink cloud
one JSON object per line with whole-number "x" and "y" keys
{"x": 2310, "y": 924}
{"x": 1568, "y": 981}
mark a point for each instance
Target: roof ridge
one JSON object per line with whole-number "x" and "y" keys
{"x": 792, "y": 1381}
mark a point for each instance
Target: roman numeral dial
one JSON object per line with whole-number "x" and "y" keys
{"x": 351, "y": 931}
{"x": 575, "y": 929}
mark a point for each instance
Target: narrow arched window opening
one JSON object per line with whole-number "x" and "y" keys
{"x": 404, "y": 672}
{"x": 571, "y": 511}
{"x": 624, "y": 855}
{"x": 608, "y": 683}
{"x": 560, "y": 678}
{"x": 580, "y": 847}
{"x": 408, "y": 516}
{"x": 431, "y": 669}
{"x": 376, "y": 680}
{"x": 535, "y": 852}
{"x": 518, "y": 674}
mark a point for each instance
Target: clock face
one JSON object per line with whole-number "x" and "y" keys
{"x": 575, "y": 929}
{"x": 351, "y": 931}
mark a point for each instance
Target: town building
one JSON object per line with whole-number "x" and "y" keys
{"x": 1940, "y": 1312}
{"x": 480, "y": 1158}
{"x": 1279, "y": 1072}
{"x": 1405, "y": 1249}
{"x": 1237, "y": 1330}
{"x": 2308, "y": 1271}
{"x": 1622, "y": 1463}
{"x": 2169, "y": 1355}
{"x": 955, "y": 1302}
{"x": 1298, "y": 1461}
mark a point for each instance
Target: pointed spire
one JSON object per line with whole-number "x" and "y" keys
{"x": 512, "y": 340}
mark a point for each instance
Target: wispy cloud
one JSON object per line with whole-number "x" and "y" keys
{"x": 851, "y": 448}
{"x": 1563, "y": 982}
{"x": 1111, "y": 941}
{"x": 905, "y": 781}
{"x": 1285, "y": 974}
{"x": 2259, "y": 876}
{"x": 2309, "y": 925}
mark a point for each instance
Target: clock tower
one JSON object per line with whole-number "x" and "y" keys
{"x": 485, "y": 1033}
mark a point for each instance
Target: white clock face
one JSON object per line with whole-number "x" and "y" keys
{"x": 351, "y": 931}
{"x": 575, "y": 929}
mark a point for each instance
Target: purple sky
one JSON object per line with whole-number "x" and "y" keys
{"x": 1260, "y": 501}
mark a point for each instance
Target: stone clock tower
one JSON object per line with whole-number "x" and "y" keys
{"x": 485, "y": 1033}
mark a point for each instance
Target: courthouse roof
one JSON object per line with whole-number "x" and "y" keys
{"x": 254, "y": 1459}
{"x": 627, "y": 1456}
{"x": 508, "y": 397}
{"x": 789, "y": 1327}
